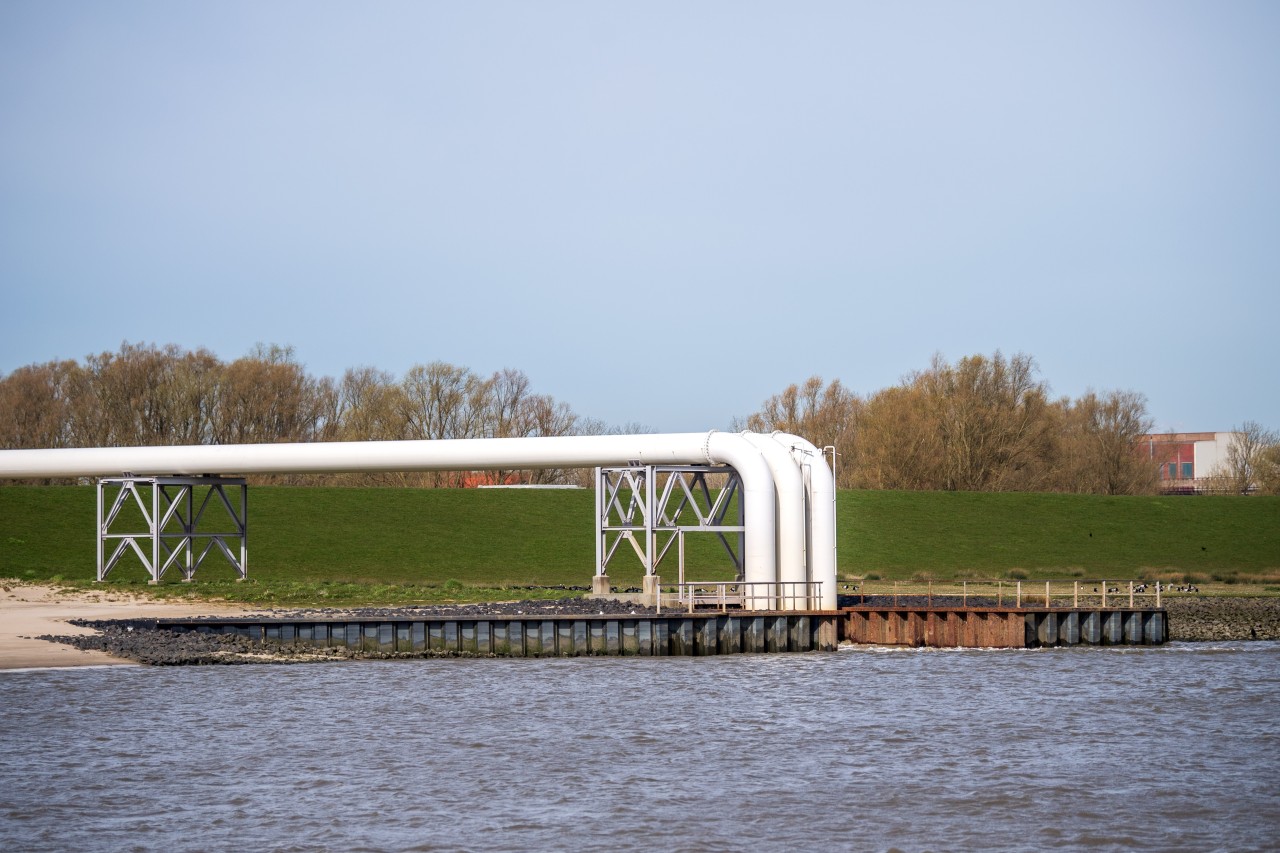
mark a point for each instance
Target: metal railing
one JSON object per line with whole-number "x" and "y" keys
{"x": 1073, "y": 593}
{"x": 721, "y": 595}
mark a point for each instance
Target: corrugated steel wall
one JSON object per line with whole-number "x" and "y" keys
{"x": 676, "y": 635}
{"x": 996, "y": 628}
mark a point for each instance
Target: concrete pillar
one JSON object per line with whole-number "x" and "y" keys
{"x": 1047, "y": 633}
{"x": 600, "y": 585}
{"x": 1113, "y": 628}
{"x": 1133, "y": 628}
{"x": 661, "y": 638}
{"x": 1069, "y": 629}
{"x": 651, "y": 589}
{"x": 1091, "y": 628}
{"x": 1153, "y": 629}
{"x": 644, "y": 637}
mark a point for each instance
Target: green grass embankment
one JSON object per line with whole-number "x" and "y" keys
{"x": 341, "y": 545}
{"x": 984, "y": 535}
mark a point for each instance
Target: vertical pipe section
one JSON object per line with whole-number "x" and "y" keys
{"x": 790, "y": 507}
{"x": 820, "y": 514}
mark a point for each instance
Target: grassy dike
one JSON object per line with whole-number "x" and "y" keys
{"x": 346, "y": 546}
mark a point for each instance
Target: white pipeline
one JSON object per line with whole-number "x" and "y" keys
{"x": 773, "y": 490}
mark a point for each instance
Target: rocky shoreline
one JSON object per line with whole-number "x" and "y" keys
{"x": 1213, "y": 618}
{"x": 1191, "y": 618}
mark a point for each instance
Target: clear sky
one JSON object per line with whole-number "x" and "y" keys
{"x": 662, "y": 212}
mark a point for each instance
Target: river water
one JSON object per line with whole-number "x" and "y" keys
{"x": 1167, "y": 748}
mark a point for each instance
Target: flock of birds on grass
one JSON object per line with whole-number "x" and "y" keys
{"x": 1142, "y": 587}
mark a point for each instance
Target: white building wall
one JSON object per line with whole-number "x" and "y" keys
{"x": 1211, "y": 455}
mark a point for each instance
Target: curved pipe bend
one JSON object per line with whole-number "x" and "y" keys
{"x": 759, "y": 493}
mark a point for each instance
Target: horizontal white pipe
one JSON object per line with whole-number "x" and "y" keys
{"x": 759, "y": 493}
{"x": 357, "y": 456}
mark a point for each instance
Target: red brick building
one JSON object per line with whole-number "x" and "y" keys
{"x": 1186, "y": 459}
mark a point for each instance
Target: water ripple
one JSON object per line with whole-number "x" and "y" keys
{"x": 1168, "y": 748}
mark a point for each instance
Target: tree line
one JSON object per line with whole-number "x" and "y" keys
{"x": 166, "y": 395}
{"x": 984, "y": 423}
{"x": 988, "y": 423}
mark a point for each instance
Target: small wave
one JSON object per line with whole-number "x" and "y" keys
{"x": 66, "y": 669}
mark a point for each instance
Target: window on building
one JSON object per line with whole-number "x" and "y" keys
{"x": 1188, "y": 470}
{"x": 1173, "y": 471}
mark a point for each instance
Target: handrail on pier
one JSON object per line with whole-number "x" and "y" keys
{"x": 1088, "y": 593}
{"x": 784, "y": 595}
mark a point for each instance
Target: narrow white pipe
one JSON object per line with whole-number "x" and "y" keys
{"x": 820, "y": 509}
{"x": 759, "y": 493}
{"x": 791, "y": 518}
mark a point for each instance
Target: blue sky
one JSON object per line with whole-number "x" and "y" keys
{"x": 662, "y": 212}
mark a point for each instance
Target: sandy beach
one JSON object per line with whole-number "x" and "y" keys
{"x": 28, "y": 611}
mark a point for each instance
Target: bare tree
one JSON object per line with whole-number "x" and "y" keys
{"x": 826, "y": 415}
{"x": 370, "y": 406}
{"x": 35, "y": 405}
{"x": 269, "y": 397}
{"x": 1099, "y": 442}
{"x": 1247, "y": 457}
{"x": 992, "y": 418}
{"x": 899, "y": 444}
{"x": 1268, "y": 470}
{"x": 438, "y": 401}
{"x": 508, "y": 392}
{"x": 442, "y": 401}
{"x": 143, "y": 395}
{"x": 190, "y": 392}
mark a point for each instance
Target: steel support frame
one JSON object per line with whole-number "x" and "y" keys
{"x": 172, "y": 503}
{"x": 632, "y": 506}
